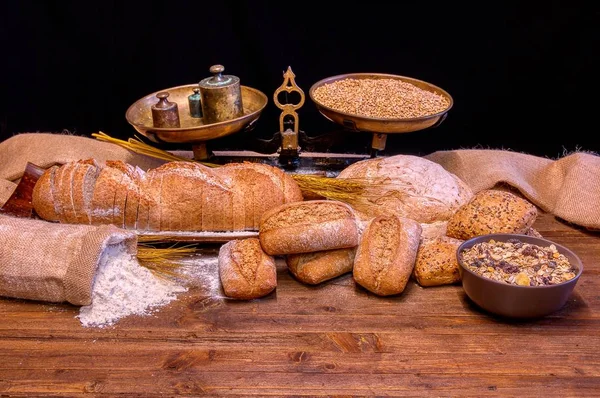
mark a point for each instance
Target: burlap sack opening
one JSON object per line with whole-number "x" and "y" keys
{"x": 52, "y": 262}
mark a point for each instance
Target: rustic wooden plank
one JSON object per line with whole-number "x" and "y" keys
{"x": 334, "y": 339}
{"x": 198, "y": 381}
{"x": 333, "y": 353}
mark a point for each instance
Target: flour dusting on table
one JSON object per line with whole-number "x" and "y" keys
{"x": 123, "y": 287}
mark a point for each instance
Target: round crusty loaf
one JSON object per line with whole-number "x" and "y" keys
{"x": 410, "y": 186}
{"x": 386, "y": 254}
{"x": 246, "y": 272}
{"x": 314, "y": 268}
{"x": 492, "y": 212}
{"x": 436, "y": 262}
{"x": 309, "y": 226}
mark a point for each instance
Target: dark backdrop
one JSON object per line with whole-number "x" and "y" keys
{"x": 518, "y": 72}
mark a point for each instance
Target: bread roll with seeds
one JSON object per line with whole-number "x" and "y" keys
{"x": 386, "y": 254}
{"x": 436, "y": 262}
{"x": 245, "y": 270}
{"x": 309, "y": 226}
{"x": 492, "y": 212}
{"x": 318, "y": 267}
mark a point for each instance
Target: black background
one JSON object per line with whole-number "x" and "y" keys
{"x": 518, "y": 72}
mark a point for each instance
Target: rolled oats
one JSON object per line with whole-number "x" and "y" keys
{"x": 518, "y": 263}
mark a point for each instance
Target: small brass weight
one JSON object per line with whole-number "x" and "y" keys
{"x": 289, "y": 137}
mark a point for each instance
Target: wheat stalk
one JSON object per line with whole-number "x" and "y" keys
{"x": 163, "y": 262}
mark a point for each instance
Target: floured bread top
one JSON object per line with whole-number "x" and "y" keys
{"x": 409, "y": 186}
{"x": 310, "y": 212}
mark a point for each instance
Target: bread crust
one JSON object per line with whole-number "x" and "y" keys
{"x": 245, "y": 270}
{"x": 436, "y": 262}
{"x": 43, "y": 195}
{"x": 177, "y": 196}
{"x": 309, "y": 226}
{"x": 412, "y": 187}
{"x": 386, "y": 254}
{"x": 318, "y": 267}
{"x": 492, "y": 211}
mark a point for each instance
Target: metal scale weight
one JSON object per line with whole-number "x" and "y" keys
{"x": 287, "y": 147}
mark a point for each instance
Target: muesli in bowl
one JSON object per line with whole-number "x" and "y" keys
{"x": 517, "y": 275}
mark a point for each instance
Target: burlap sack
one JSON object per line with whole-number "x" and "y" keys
{"x": 568, "y": 187}
{"x": 45, "y": 149}
{"x": 52, "y": 262}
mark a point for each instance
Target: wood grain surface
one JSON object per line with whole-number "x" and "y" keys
{"x": 335, "y": 339}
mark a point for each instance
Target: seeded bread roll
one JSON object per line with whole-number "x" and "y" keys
{"x": 386, "y": 254}
{"x": 436, "y": 262}
{"x": 492, "y": 212}
{"x": 309, "y": 226}
{"x": 314, "y": 268}
{"x": 246, "y": 271}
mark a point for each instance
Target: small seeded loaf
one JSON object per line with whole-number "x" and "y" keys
{"x": 177, "y": 196}
{"x": 314, "y": 268}
{"x": 386, "y": 254}
{"x": 436, "y": 262}
{"x": 491, "y": 212}
{"x": 246, "y": 272}
{"x": 308, "y": 226}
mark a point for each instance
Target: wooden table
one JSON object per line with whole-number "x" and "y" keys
{"x": 333, "y": 339}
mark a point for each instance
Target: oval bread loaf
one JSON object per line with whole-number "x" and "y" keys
{"x": 409, "y": 186}
{"x": 245, "y": 270}
{"x": 177, "y": 196}
{"x": 491, "y": 212}
{"x": 436, "y": 262}
{"x": 309, "y": 226}
{"x": 386, "y": 254}
{"x": 314, "y": 268}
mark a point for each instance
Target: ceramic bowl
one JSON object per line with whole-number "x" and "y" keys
{"x": 516, "y": 301}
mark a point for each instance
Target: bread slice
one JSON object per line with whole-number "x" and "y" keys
{"x": 258, "y": 189}
{"x": 42, "y": 199}
{"x": 386, "y": 254}
{"x": 84, "y": 180}
{"x": 436, "y": 262}
{"x": 105, "y": 191}
{"x": 245, "y": 270}
{"x": 318, "y": 267}
{"x": 490, "y": 212}
{"x": 63, "y": 192}
{"x": 145, "y": 202}
{"x": 132, "y": 201}
{"x": 309, "y": 226}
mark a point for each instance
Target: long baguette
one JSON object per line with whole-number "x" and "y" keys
{"x": 177, "y": 196}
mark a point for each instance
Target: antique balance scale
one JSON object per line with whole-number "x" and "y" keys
{"x": 285, "y": 148}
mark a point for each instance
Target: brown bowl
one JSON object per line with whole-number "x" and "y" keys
{"x": 516, "y": 301}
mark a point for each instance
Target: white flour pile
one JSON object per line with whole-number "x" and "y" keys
{"x": 122, "y": 287}
{"x": 202, "y": 273}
